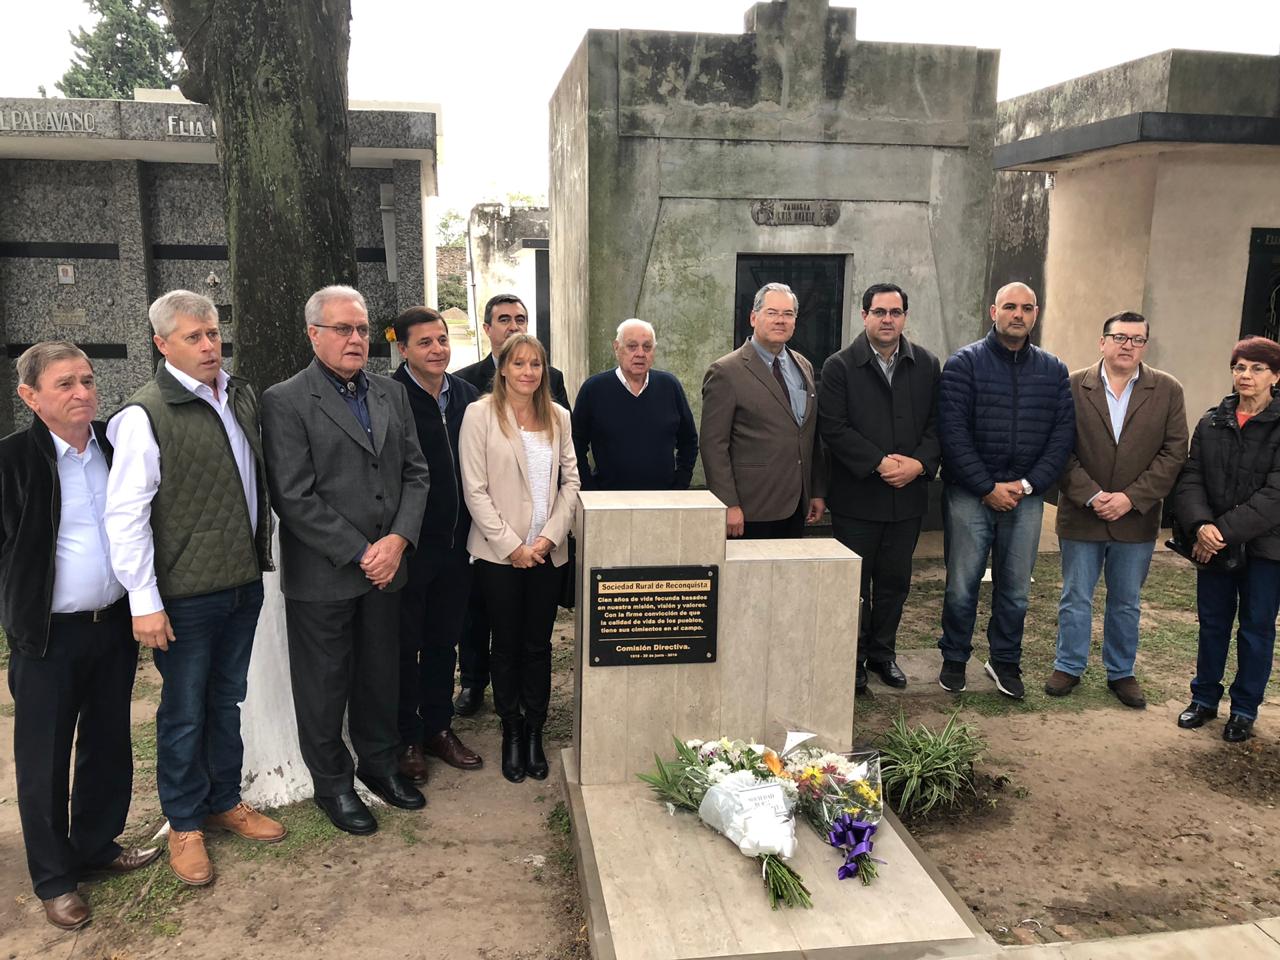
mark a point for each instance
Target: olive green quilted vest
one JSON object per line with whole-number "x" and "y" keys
{"x": 199, "y": 518}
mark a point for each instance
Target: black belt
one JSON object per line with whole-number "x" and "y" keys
{"x": 118, "y": 609}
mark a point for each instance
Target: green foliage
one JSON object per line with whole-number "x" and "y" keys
{"x": 674, "y": 781}
{"x": 131, "y": 46}
{"x": 451, "y": 291}
{"x": 451, "y": 231}
{"x": 921, "y": 770}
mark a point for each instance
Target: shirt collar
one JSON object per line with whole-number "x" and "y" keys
{"x": 1102, "y": 372}
{"x": 622, "y": 378}
{"x": 194, "y": 385}
{"x": 768, "y": 357}
{"x": 360, "y": 380}
{"x": 60, "y": 446}
{"x": 444, "y": 384}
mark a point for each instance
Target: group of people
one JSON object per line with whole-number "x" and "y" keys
{"x": 426, "y": 517}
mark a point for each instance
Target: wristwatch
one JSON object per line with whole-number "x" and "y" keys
{"x": 1027, "y": 489}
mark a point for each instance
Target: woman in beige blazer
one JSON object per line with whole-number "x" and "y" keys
{"x": 520, "y": 482}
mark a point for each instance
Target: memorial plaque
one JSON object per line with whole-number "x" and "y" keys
{"x": 795, "y": 213}
{"x": 651, "y": 615}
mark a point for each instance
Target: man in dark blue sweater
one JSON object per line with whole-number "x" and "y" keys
{"x": 635, "y": 421}
{"x": 1007, "y": 424}
{"x": 433, "y": 604}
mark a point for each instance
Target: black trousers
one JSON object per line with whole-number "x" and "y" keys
{"x": 433, "y": 607}
{"x": 522, "y": 610}
{"x": 788, "y": 528}
{"x": 344, "y": 656}
{"x": 886, "y": 549}
{"x": 473, "y": 647}
{"x": 80, "y": 690}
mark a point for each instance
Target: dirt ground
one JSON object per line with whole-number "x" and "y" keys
{"x": 1092, "y": 820}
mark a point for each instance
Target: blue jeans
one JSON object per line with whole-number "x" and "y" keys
{"x": 198, "y": 745}
{"x": 1257, "y": 592}
{"x": 1126, "y": 566}
{"x": 971, "y": 532}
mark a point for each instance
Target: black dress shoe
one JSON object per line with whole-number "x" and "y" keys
{"x": 468, "y": 701}
{"x": 860, "y": 679}
{"x": 1195, "y": 716}
{"x": 889, "y": 672}
{"x": 1238, "y": 729}
{"x": 395, "y": 789}
{"x": 347, "y": 812}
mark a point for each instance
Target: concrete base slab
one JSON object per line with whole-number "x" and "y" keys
{"x": 662, "y": 886}
{"x": 1245, "y": 941}
{"x": 922, "y": 668}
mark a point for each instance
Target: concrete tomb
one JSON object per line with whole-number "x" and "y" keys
{"x": 658, "y": 885}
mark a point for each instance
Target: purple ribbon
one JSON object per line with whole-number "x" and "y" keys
{"x": 854, "y": 838}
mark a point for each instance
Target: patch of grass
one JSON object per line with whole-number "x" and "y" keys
{"x": 143, "y": 898}
{"x": 144, "y": 688}
{"x": 308, "y": 828}
{"x": 922, "y": 770}
{"x": 6, "y": 709}
{"x": 560, "y": 828}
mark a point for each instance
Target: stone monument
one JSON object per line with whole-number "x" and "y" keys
{"x": 680, "y": 633}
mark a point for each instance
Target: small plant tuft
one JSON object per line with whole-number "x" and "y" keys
{"x": 921, "y": 770}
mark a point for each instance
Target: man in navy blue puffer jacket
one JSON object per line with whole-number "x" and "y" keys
{"x": 1007, "y": 424}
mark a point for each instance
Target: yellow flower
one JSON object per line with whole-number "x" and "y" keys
{"x": 773, "y": 762}
{"x": 390, "y": 334}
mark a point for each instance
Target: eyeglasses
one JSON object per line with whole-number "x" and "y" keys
{"x": 880, "y": 313}
{"x": 1123, "y": 338}
{"x": 1257, "y": 369}
{"x": 784, "y": 314}
{"x": 345, "y": 330}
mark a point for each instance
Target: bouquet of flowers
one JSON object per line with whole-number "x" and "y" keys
{"x": 749, "y": 793}
{"x": 741, "y": 790}
{"x": 839, "y": 796}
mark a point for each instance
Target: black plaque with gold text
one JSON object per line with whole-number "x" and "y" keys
{"x": 653, "y": 615}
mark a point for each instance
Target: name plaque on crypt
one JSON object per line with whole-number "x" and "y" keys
{"x": 653, "y": 615}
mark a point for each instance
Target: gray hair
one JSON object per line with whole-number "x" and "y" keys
{"x": 758, "y": 302}
{"x": 165, "y": 311}
{"x": 314, "y": 310}
{"x": 636, "y": 322}
{"x": 36, "y": 359}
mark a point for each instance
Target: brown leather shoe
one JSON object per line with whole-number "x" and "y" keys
{"x": 244, "y": 821}
{"x": 413, "y": 764}
{"x": 447, "y": 747}
{"x": 1060, "y": 684}
{"x": 188, "y": 858}
{"x": 1128, "y": 692}
{"x": 67, "y": 912}
{"x": 134, "y": 859}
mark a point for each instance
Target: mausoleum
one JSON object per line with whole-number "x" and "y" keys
{"x": 105, "y": 204}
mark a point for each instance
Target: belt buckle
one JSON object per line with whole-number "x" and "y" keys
{"x": 100, "y": 615}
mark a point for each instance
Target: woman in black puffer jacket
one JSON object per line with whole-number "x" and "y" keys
{"x": 1228, "y": 496}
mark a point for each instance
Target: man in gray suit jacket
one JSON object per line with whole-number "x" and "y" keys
{"x": 350, "y": 484}
{"x": 759, "y": 420}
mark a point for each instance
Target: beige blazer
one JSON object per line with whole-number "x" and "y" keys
{"x": 754, "y": 453}
{"x": 495, "y": 484}
{"x": 1144, "y": 464}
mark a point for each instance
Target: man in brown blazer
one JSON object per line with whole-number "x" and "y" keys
{"x": 759, "y": 419}
{"x": 1131, "y": 442}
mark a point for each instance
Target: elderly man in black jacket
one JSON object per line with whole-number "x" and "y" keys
{"x": 433, "y": 606}
{"x": 876, "y": 416}
{"x": 72, "y": 653}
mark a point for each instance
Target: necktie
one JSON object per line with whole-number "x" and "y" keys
{"x": 782, "y": 381}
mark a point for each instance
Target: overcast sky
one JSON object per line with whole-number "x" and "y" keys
{"x": 493, "y": 64}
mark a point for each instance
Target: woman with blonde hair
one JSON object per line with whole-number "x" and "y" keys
{"x": 520, "y": 482}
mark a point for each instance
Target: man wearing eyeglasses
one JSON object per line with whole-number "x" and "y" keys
{"x": 876, "y": 417}
{"x": 350, "y": 484}
{"x": 1006, "y": 424}
{"x": 759, "y": 427}
{"x": 1131, "y": 442}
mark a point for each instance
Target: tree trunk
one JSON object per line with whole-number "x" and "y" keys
{"x": 274, "y": 73}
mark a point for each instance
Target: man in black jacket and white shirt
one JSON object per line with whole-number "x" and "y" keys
{"x": 876, "y": 417}
{"x": 433, "y": 605}
{"x": 72, "y": 653}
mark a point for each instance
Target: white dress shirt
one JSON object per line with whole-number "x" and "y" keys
{"x": 1118, "y": 407}
{"x": 623, "y": 379}
{"x": 82, "y": 577}
{"x": 135, "y": 477}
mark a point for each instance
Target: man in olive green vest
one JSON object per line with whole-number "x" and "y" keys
{"x": 189, "y": 527}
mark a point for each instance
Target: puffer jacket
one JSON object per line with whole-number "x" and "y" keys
{"x": 1232, "y": 478}
{"x": 1004, "y": 415}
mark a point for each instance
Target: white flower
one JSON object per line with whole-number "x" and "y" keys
{"x": 757, "y": 748}
{"x": 693, "y": 744}
{"x": 709, "y": 749}
{"x": 717, "y": 771}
